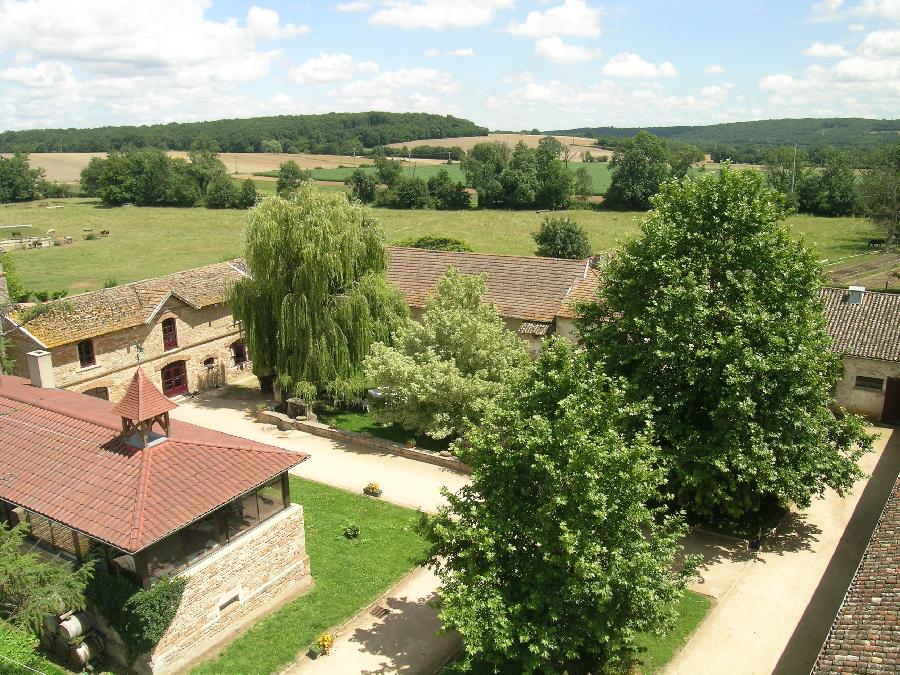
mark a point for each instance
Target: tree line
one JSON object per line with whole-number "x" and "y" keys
{"x": 749, "y": 142}
{"x": 332, "y": 133}
{"x": 149, "y": 177}
{"x": 21, "y": 183}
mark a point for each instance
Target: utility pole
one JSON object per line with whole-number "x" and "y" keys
{"x": 794, "y": 169}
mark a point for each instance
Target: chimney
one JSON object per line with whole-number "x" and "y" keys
{"x": 856, "y": 295}
{"x": 40, "y": 369}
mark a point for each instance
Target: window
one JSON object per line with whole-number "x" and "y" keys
{"x": 239, "y": 353}
{"x": 174, "y": 379}
{"x": 271, "y": 499}
{"x": 210, "y": 363}
{"x": 863, "y": 382}
{"x": 86, "y": 353}
{"x": 242, "y": 515}
{"x": 170, "y": 334}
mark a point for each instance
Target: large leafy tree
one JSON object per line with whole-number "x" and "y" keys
{"x": 447, "y": 367}
{"x": 316, "y": 297}
{"x": 552, "y": 561}
{"x": 483, "y": 167}
{"x": 31, "y": 587}
{"x": 18, "y": 181}
{"x": 714, "y": 315}
{"x": 640, "y": 166}
{"x": 290, "y": 177}
{"x": 880, "y": 191}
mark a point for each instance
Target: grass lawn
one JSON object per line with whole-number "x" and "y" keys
{"x": 349, "y": 574}
{"x": 692, "y": 609}
{"x": 361, "y": 422}
{"x": 147, "y": 242}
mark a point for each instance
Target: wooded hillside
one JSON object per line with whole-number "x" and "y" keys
{"x": 332, "y": 133}
{"x": 850, "y": 132}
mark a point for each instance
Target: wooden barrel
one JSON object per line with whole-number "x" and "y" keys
{"x": 77, "y": 624}
{"x": 87, "y": 651}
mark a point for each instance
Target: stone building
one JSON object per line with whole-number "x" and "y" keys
{"x": 154, "y": 499}
{"x": 177, "y": 327}
{"x": 534, "y": 296}
{"x": 865, "y": 329}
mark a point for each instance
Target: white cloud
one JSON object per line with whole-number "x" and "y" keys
{"x": 554, "y": 49}
{"x": 819, "y": 50}
{"x": 881, "y": 43}
{"x": 458, "y": 53}
{"x": 715, "y": 69}
{"x": 864, "y": 84}
{"x": 264, "y": 24}
{"x": 628, "y": 64}
{"x": 361, "y": 6}
{"x": 573, "y": 17}
{"x": 437, "y": 14}
{"x": 857, "y": 27}
{"x": 544, "y": 103}
{"x": 836, "y": 10}
{"x": 331, "y": 68}
{"x": 406, "y": 89}
{"x": 121, "y": 62}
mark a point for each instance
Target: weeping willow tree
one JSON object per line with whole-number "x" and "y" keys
{"x": 317, "y": 296}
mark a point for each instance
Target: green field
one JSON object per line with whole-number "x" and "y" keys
{"x": 599, "y": 172}
{"x": 146, "y": 242}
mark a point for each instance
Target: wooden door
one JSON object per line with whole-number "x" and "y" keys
{"x": 891, "y": 411}
{"x": 174, "y": 379}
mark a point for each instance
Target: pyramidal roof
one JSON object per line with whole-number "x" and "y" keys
{"x": 142, "y": 400}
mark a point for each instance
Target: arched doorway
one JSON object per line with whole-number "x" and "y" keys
{"x": 98, "y": 392}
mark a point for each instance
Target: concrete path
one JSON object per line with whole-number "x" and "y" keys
{"x": 404, "y": 481}
{"x": 775, "y": 608}
{"x": 406, "y": 639}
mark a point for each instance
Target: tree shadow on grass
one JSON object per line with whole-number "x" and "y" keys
{"x": 408, "y": 637}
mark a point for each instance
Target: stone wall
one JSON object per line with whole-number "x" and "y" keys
{"x": 284, "y": 423}
{"x": 205, "y": 333}
{"x": 234, "y": 588}
{"x": 868, "y": 402}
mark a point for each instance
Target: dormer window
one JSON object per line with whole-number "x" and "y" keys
{"x": 86, "y": 353}
{"x": 170, "y": 334}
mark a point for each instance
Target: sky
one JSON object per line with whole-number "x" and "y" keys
{"x": 504, "y": 64}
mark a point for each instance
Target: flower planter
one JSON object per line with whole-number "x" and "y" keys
{"x": 372, "y": 492}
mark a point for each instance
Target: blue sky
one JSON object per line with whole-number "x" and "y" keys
{"x": 506, "y": 64}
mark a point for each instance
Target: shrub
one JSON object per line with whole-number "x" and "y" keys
{"x": 110, "y": 282}
{"x": 351, "y": 531}
{"x": 562, "y": 238}
{"x": 438, "y": 244}
{"x": 140, "y": 616}
{"x": 90, "y": 236}
{"x": 19, "y": 655}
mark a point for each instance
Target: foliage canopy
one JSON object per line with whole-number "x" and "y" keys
{"x": 317, "y": 296}
{"x": 714, "y": 315}
{"x": 562, "y": 238}
{"x": 551, "y": 560}
{"x": 445, "y": 369}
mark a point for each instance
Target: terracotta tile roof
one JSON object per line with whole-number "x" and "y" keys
{"x": 585, "y": 290}
{"x": 62, "y": 457}
{"x": 522, "y": 287}
{"x": 870, "y": 329}
{"x": 865, "y": 635}
{"x": 110, "y": 309}
{"x": 142, "y": 400}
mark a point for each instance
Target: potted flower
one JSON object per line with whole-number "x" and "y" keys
{"x": 324, "y": 642}
{"x": 372, "y": 490}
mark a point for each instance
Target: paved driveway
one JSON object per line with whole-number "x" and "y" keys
{"x": 404, "y": 481}
{"x": 774, "y": 609}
